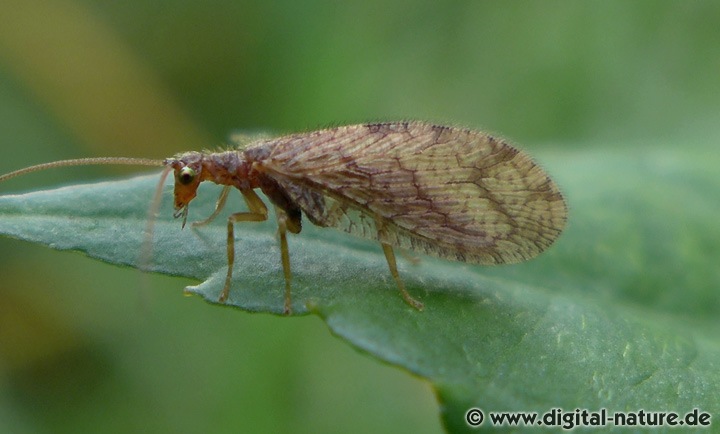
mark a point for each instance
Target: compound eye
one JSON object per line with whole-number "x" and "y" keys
{"x": 186, "y": 176}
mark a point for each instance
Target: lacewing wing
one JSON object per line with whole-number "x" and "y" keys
{"x": 452, "y": 193}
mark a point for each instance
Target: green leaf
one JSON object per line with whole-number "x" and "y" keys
{"x": 620, "y": 314}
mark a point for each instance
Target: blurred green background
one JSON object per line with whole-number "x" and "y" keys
{"x": 86, "y": 346}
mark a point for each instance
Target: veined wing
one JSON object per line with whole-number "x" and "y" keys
{"x": 453, "y": 193}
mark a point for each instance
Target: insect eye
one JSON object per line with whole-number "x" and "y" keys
{"x": 186, "y": 176}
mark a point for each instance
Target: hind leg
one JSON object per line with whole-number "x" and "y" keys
{"x": 392, "y": 264}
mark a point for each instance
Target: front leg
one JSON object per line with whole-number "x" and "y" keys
{"x": 219, "y": 205}
{"x": 258, "y": 213}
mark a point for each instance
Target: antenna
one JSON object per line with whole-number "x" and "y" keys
{"x": 85, "y": 162}
{"x": 146, "y": 251}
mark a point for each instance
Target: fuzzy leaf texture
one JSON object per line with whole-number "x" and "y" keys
{"x": 621, "y": 313}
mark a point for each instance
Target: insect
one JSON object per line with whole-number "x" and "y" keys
{"x": 453, "y": 193}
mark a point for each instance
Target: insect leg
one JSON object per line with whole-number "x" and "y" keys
{"x": 282, "y": 219}
{"x": 390, "y": 256}
{"x": 414, "y": 260}
{"x": 218, "y": 207}
{"x": 258, "y": 213}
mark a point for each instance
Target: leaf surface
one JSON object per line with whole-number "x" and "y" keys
{"x": 622, "y": 313}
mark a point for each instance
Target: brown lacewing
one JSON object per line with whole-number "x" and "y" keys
{"x": 453, "y": 193}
